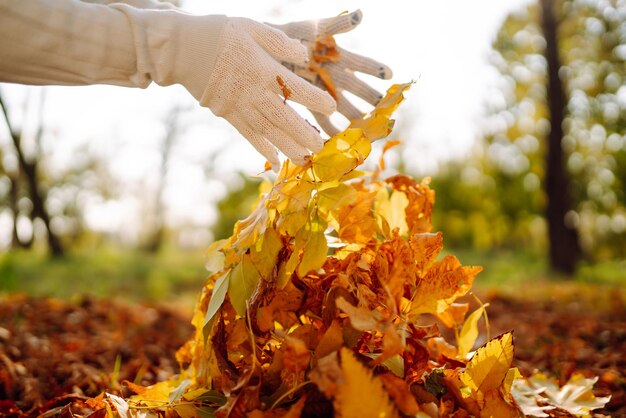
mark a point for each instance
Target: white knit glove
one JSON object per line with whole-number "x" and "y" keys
{"x": 247, "y": 82}
{"x": 341, "y": 71}
{"x": 238, "y": 75}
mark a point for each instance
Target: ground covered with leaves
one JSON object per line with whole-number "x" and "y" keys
{"x": 54, "y": 355}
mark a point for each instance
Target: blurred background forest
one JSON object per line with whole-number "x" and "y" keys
{"x": 539, "y": 193}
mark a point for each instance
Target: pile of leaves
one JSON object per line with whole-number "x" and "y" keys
{"x": 327, "y": 300}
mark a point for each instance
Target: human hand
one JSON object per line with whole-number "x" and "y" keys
{"x": 328, "y": 61}
{"x": 247, "y": 81}
{"x": 233, "y": 67}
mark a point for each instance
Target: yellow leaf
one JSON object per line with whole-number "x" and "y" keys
{"x": 443, "y": 283}
{"x": 360, "y": 318}
{"x": 469, "y": 331}
{"x": 490, "y": 364}
{"x": 377, "y": 124}
{"x": 331, "y": 198}
{"x": 357, "y": 225}
{"x": 217, "y": 297}
{"x": 361, "y": 395}
{"x": 243, "y": 280}
{"x": 265, "y": 252}
{"x": 215, "y": 256}
{"x": 512, "y": 375}
{"x": 341, "y": 154}
{"x": 157, "y": 394}
{"x": 426, "y": 248}
{"x": 392, "y": 209}
{"x": 496, "y": 407}
{"x": 454, "y": 315}
{"x": 315, "y": 249}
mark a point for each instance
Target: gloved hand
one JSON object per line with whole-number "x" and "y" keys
{"x": 247, "y": 81}
{"x": 340, "y": 71}
{"x": 233, "y": 67}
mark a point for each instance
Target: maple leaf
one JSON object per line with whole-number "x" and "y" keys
{"x": 490, "y": 364}
{"x": 442, "y": 284}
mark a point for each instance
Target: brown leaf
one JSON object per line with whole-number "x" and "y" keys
{"x": 400, "y": 393}
{"x": 283, "y": 88}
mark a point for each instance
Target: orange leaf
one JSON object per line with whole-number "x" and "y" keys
{"x": 400, "y": 394}
{"x": 286, "y": 91}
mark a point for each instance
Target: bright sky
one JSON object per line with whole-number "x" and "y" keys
{"x": 443, "y": 44}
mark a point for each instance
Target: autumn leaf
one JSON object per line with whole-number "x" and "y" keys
{"x": 217, "y": 297}
{"x": 314, "y": 246}
{"x": 378, "y": 124}
{"x": 283, "y": 87}
{"x": 362, "y": 394}
{"x": 489, "y": 365}
{"x": 539, "y": 394}
{"x": 356, "y": 222}
{"x": 442, "y": 284}
{"x": 331, "y": 341}
{"x": 388, "y": 145}
{"x": 392, "y": 208}
{"x": 340, "y": 155}
{"x": 243, "y": 280}
{"x": 469, "y": 331}
{"x": 496, "y": 407}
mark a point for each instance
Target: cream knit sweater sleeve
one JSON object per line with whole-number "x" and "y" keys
{"x": 71, "y": 42}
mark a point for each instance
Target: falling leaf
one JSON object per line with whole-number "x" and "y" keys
{"x": 362, "y": 394}
{"x": 489, "y": 365}
{"x": 388, "y": 145}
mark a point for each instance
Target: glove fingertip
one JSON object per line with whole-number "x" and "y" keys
{"x": 356, "y": 17}
{"x": 385, "y": 72}
{"x": 328, "y": 104}
{"x": 300, "y": 53}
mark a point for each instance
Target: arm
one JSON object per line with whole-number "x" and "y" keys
{"x": 139, "y": 4}
{"x": 76, "y": 43}
{"x": 230, "y": 65}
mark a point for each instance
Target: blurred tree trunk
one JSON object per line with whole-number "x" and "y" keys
{"x": 37, "y": 195}
{"x": 16, "y": 241}
{"x": 563, "y": 240}
{"x": 172, "y": 127}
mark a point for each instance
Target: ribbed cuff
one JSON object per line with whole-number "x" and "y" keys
{"x": 174, "y": 47}
{"x": 200, "y": 43}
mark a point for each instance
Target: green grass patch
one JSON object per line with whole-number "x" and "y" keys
{"x": 135, "y": 276}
